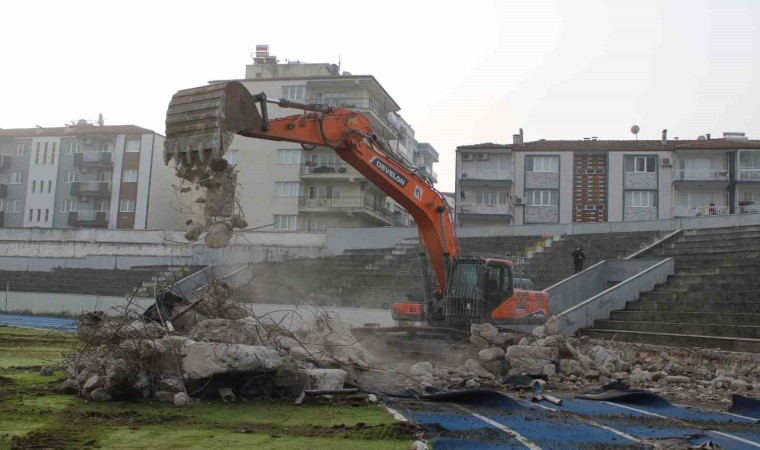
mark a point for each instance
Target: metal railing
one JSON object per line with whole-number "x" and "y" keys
{"x": 750, "y": 209}
{"x": 94, "y": 186}
{"x": 485, "y": 209}
{"x": 700, "y": 211}
{"x": 749, "y": 174}
{"x": 702, "y": 175}
{"x": 92, "y": 215}
{"x": 486, "y": 175}
{"x": 312, "y": 168}
{"x": 95, "y": 156}
{"x": 345, "y": 203}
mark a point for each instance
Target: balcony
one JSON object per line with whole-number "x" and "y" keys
{"x": 91, "y": 188}
{"x": 702, "y": 175}
{"x": 88, "y": 219}
{"x": 489, "y": 210}
{"x": 430, "y": 173}
{"x": 328, "y": 171}
{"x": 477, "y": 176}
{"x": 749, "y": 175}
{"x": 3, "y": 190}
{"x": 84, "y": 160}
{"x": 351, "y": 205}
{"x": 749, "y": 209}
{"x": 5, "y": 161}
{"x": 701, "y": 211}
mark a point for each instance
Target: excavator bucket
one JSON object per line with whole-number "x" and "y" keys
{"x": 201, "y": 122}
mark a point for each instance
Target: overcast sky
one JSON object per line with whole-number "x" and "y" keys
{"x": 463, "y": 72}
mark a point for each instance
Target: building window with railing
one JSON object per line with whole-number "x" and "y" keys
{"x": 285, "y": 222}
{"x": 288, "y": 156}
{"x": 68, "y": 206}
{"x": 749, "y": 165}
{"x": 286, "y": 189}
{"x": 294, "y": 93}
{"x": 324, "y": 192}
{"x": 635, "y": 164}
{"x": 542, "y": 163}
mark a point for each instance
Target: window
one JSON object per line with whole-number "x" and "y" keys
{"x": 17, "y": 177}
{"x": 635, "y": 164}
{"x": 326, "y": 159}
{"x": 486, "y": 198}
{"x": 332, "y": 98}
{"x": 104, "y": 206}
{"x": 695, "y": 199}
{"x": 287, "y": 156}
{"x": 286, "y": 189}
{"x": 31, "y": 215}
{"x": 503, "y": 196}
{"x": 71, "y": 176}
{"x": 73, "y": 147}
{"x": 2, "y": 205}
{"x": 542, "y": 163}
{"x": 34, "y": 186}
{"x": 285, "y": 223}
{"x": 541, "y": 198}
{"x": 132, "y": 146}
{"x": 68, "y": 206}
{"x": 108, "y": 147}
{"x": 47, "y": 215}
{"x": 294, "y": 93}
{"x": 44, "y": 156}
{"x": 324, "y": 192}
{"x": 49, "y": 186}
{"x": 749, "y": 160}
{"x": 127, "y": 205}
{"x": 640, "y": 199}
{"x": 37, "y": 154}
{"x": 20, "y": 149}
{"x": 130, "y": 176}
{"x": 39, "y": 214}
{"x": 14, "y": 206}
{"x": 52, "y": 155}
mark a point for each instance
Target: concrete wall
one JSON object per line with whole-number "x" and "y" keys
{"x": 585, "y": 297}
{"x": 76, "y": 304}
{"x": 340, "y": 239}
{"x": 541, "y": 214}
{"x": 43, "y": 249}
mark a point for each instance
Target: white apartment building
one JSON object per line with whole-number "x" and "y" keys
{"x": 298, "y": 190}
{"x": 84, "y": 176}
{"x": 608, "y": 181}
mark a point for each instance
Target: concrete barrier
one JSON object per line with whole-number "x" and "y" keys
{"x": 603, "y": 288}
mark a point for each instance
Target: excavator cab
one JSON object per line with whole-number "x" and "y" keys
{"x": 479, "y": 290}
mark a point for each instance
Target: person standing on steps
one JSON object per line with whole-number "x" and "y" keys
{"x": 578, "y": 258}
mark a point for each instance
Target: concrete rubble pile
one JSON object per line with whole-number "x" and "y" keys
{"x": 572, "y": 364}
{"x": 213, "y": 188}
{"x": 217, "y": 348}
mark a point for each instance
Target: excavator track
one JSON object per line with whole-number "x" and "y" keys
{"x": 421, "y": 341}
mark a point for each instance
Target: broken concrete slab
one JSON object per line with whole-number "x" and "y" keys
{"x": 204, "y": 359}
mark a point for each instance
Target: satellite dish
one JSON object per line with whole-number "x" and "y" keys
{"x": 701, "y": 138}
{"x": 635, "y": 130}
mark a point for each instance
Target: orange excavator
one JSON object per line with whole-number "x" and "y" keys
{"x": 201, "y": 123}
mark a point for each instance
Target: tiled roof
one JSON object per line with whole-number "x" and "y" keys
{"x": 631, "y": 145}
{"x": 72, "y": 131}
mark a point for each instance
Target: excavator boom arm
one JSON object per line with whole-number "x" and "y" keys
{"x": 200, "y": 124}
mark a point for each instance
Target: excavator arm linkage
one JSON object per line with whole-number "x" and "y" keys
{"x": 202, "y": 122}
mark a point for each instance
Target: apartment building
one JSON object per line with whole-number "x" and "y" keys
{"x": 595, "y": 180}
{"x": 484, "y": 176}
{"x": 80, "y": 176}
{"x": 296, "y": 189}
